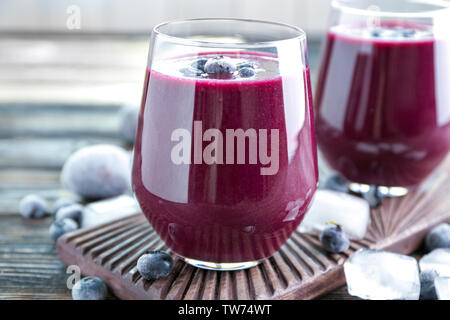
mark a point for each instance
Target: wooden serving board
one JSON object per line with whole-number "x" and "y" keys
{"x": 299, "y": 270}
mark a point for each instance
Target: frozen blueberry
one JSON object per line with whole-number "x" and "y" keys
{"x": 427, "y": 289}
{"x": 61, "y": 203}
{"x": 246, "y": 72}
{"x": 33, "y": 207}
{"x": 334, "y": 240}
{"x": 221, "y": 66}
{"x": 199, "y": 64}
{"x": 73, "y": 212}
{"x": 155, "y": 265}
{"x": 97, "y": 172}
{"x": 376, "y": 33}
{"x": 89, "y": 288}
{"x": 60, "y": 227}
{"x": 373, "y": 196}
{"x": 128, "y": 117}
{"x": 438, "y": 237}
{"x": 246, "y": 64}
{"x": 336, "y": 182}
{"x": 409, "y": 33}
{"x": 191, "y": 72}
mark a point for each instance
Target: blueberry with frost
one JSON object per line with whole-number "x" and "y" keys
{"x": 97, "y": 172}
{"x": 74, "y": 212}
{"x": 128, "y": 118}
{"x": 336, "y": 182}
{"x": 334, "y": 240}
{"x": 438, "y": 237}
{"x": 155, "y": 265}
{"x": 427, "y": 289}
{"x": 89, "y": 288}
{"x": 60, "y": 227}
{"x": 246, "y": 72}
{"x": 33, "y": 207}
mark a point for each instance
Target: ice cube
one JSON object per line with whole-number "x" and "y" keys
{"x": 442, "y": 286}
{"x": 107, "y": 210}
{"x": 352, "y": 213}
{"x": 439, "y": 260}
{"x": 382, "y": 275}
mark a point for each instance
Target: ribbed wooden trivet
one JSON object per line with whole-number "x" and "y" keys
{"x": 299, "y": 270}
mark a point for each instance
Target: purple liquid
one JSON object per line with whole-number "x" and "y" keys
{"x": 224, "y": 212}
{"x": 382, "y": 110}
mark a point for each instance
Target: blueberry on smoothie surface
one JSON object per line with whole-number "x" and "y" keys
{"x": 191, "y": 72}
{"x": 220, "y": 65}
{"x": 199, "y": 64}
{"x": 246, "y": 72}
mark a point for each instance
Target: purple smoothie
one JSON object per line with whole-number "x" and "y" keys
{"x": 382, "y": 108}
{"x": 225, "y": 212}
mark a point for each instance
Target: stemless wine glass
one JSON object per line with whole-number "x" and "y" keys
{"x": 383, "y": 98}
{"x": 225, "y": 157}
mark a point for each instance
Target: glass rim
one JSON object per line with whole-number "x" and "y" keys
{"x": 345, "y": 6}
{"x": 300, "y": 36}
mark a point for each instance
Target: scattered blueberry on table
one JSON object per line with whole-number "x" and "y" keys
{"x": 33, "y": 207}
{"x": 60, "y": 227}
{"x": 334, "y": 240}
{"x": 438, "y": 237}
{"x": 155, "y": 265}
{"x": 128, "y": 118}
{"x": 73, "y": 212}
{"x": 89, "y": 288}
{"x": 373, "y": 196}
{"x": 427, "y": 289}
{"x": 336, "y": 182}
{"x": 97, "y": 172}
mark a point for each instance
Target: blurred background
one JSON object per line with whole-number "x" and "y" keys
{"x": 94, "y": 51}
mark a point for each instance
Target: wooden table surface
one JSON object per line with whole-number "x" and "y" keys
{"x": 58, "y": 93}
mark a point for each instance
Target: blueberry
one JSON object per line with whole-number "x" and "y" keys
{"x": 60, "y": 227}
{"x": 438, "y": 237}
{"x": 199, "y": 64}
{"x": 191, "y": 72}
{"x": 334, "y": 240}
{"x": 33, "y": 206}
{"x": 155, "y": 265}
{"x": 376, "y": 33}
{"x": 427, "y": 289}
{"x": 246, "y": 64}
{"x": 89, "y": 288}
{"x": 220, "y": 66}
{"x": 409, "y": 33}
{"x": 336, "y": 182}
{"x": 128, "y": 118}
{"x": 73, "y": 212}
{"x": 246, "y": 72}
{"x": 97, "y": 172}
{"x": 373, "y": 196}
{"x": 61, "y": 203}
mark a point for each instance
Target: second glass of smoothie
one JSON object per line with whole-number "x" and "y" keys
{"x": 383, "y": 103}
{"x": 225, "y": 158}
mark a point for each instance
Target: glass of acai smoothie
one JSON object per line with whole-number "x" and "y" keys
{"x": 383, "y": 98}
{"x": 225, "y": 158}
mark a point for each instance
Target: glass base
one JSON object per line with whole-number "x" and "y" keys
{"x": 218, "y": 266}
{"x": 391, "y": 192}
